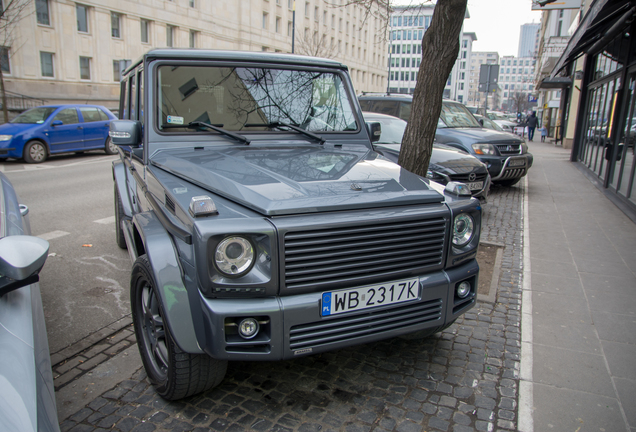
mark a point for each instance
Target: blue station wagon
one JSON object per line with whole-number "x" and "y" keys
{"x": 39, "y": 132}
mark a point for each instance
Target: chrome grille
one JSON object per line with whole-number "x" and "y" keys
{"x": 327, "y": 257}
{"x": 350, "y": 327}
{"x": 509, "y": 149}
{"x": 465, "y": 177}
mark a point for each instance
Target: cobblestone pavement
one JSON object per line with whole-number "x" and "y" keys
{"x": 463, "y": 379}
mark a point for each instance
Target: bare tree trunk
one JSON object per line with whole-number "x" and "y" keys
{"x": 5, "y": 110}
{"x": 440, "y": 46}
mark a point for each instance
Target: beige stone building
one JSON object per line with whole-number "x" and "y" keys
{"x": 65, "y": 51}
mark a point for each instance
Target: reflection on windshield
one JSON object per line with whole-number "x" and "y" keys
{"x": 35, "y": 115}
{"x": 233, "y": 97}
{"x": 456, "y": 115}
{"x": 392, "y": 130}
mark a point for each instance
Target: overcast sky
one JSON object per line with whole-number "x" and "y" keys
{"x": 495, "y": 22}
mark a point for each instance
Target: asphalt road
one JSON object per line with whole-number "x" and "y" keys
{"x": 85, "y": 279}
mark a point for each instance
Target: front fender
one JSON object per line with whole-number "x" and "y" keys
{"x": 168, "y": 276}
{"x": 119, "y": 176}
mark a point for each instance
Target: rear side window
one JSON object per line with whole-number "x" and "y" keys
{"x": 67, "y": 116}
{"x": 405, "y": 111}
{"x": 90, "y": 114}
{"x": 386, "y": 107}
{"x": 103, "y": 115}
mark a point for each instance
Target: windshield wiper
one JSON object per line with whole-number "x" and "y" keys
{"x": 237, "y": 137}
{"x": 278, "y": 125}
{"x": 216, "y": 128}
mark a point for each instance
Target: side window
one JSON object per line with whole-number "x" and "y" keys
{"x": 123, "y": 101}
{"x": 133, "y": 98}
{"x": 102, "y": 115}
{"x": 405, "y": 111}
{"x": 90, "y": 114}
{"x": 365, "y": 105}
{"x": 67, "y": 116}
{"x": 386, "y": 107}
{"x": 140, "y": 91}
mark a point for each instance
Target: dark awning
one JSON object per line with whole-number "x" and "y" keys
{"x": 603, "y": 20}
{"x": 554, "y": 83}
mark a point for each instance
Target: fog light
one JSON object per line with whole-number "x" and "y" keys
{"x": 248, "y": 328}
{"x": 463, "y": 289}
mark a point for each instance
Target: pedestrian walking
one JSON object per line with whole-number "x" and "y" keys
{"x": 532, "y": 121}
{"x": 544, "y": 133}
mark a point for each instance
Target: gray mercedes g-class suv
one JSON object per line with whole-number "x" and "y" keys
{"x": 262, "y": 225}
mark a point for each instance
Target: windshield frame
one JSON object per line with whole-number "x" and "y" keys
{"x": 156, "y": 110}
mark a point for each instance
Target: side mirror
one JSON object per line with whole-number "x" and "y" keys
{"x": 481, "y": 122}
{"x": 125, "y": 132}
{"x": 375, "y": 131}
{"x": 21, "y": 259}
{"x": 57, "y": 123}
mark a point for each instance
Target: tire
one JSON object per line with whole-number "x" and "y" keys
{"x": 423, "y": 334}
{"x": 35, "y": 152}
{"x": 507, "y": 183}
{"x": 174, "y": 373}
{"x": 119, "y": 216}
{"x": 109, "y": 147}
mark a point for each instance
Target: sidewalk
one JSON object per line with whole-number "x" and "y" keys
{"x": 579, "y": 303}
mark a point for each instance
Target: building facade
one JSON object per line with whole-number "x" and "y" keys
{"x": 516, "y": 81}
{"x": 475, "y": 97}
{"x": 406, "y": 28}
{"x": 528, "y": 40}
{"x": 64, "y": 52}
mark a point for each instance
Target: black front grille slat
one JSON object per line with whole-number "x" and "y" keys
{"x": 335, "y": 260}
{"x": 465, "y": 178}
{"x": 339, "y": 246}
{"x": 402, "y": 264}
{"x": 509, "y": 149}
{"x": 365, "y": 229}
{"x": 361, "y": 252}
{"x": 372, "y": 322}
{"x": 326, "y": 239}
{"x": 382, "y": 260}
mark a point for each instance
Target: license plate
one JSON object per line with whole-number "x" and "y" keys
{"x": 475, "y": 185}
{"x": 517, "y": 162}
{"x": 349, "y": 300}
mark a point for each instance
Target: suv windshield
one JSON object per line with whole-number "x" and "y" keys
{"x": 35, "y": 115}
{"x": 251, "y": 99}
{"x": 456, "y": 115}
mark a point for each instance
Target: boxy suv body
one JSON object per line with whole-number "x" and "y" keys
{"x": 505, "y": 154}
{"x": 263, "y": 226}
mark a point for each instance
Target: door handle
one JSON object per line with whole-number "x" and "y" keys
{"x": 79, "y": 127}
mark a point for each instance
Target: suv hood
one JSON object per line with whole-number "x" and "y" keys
{"x": 285, "y": 180}
{"x": 478, "y": 135}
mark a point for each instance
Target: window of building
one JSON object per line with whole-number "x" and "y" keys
{"x": 307, "y": 9}
{"x": 316, "y": 13}
{"x": 145, "y": 31}
{"x": 265, "y": 19}
{"x": 278, "y": 24}
{"x": 115, "y": 25}
{"x": 464, "y": 44}
{"x": 85, "y": 68}
{"x": 192, "y": 3}
{"x": 5, "y": 66}
{"x": 193, "y": 39}
{"x": 46, "y": 64}
{"x": 290, "y": 4}
{"x": 116, "y": 71}
{"x": 170, "y": 35}
{"x": 42, "y": 12}
{"x": 82, "y": 18}
{"x": 290, "y": 28}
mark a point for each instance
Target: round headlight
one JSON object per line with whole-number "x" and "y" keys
{"x": 234, "y": 256}
{"x": 463, "y": 228}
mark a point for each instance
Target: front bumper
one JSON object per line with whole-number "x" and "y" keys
{"x": 507, "y": 167}
{"x": 291, "y": 326}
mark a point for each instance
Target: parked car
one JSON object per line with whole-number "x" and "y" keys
{"x": 263, "y": 226}
{"x": 447, "y": 163}
{"x": 505, "y": 155}
{"x": 39, "y": 132}
{"x": 487, "y": 123}
{"x": 26, "y": 380}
